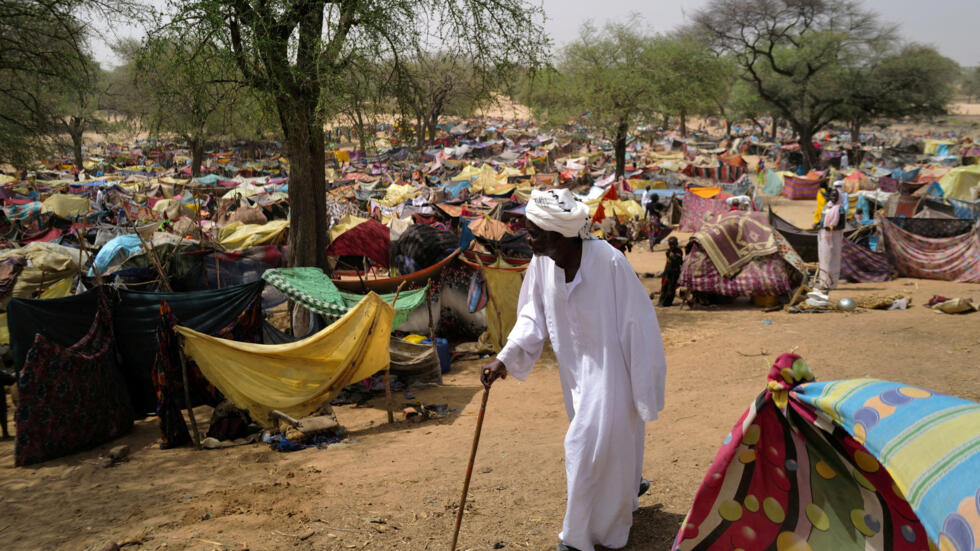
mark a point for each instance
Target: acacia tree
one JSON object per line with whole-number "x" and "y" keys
{"x": 604, "y": 79}
{"x": 295, "y": 49}
{"x": 194, "y": 91}
{"x": 689, "y": 78}
{"x": 915, "y": 80}
{"x": 793, "y": 52}
{"x": 78, "y": 103}
{"x": 43, "y": 50}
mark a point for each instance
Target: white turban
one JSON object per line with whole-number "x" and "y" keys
{"x": 559, "y": 211}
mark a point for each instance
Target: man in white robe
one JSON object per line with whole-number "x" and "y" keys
{"x": 584, "y": 297}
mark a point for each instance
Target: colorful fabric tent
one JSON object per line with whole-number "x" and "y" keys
{"x": 296, "y": 378}
{"x": 845, "y": 465}
{"x": 798, "y": 188}
{"x": 355, "y": 236}
{"x": 695, "y": 209}
{"x": 861, "y": 265}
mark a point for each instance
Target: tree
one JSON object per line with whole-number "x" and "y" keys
{"x": 293, "y": 50}
{"x": 793, "y": 52}
{"x": 43, "y": 49}
{"x": 79, "y": 104}
{"x": 195, "y": 92}
{"x": 603, "y": 79}
{"x": 689, "y": 78}
{"x": 430, "y": 83}
{"x": 970, "y": 85}
{"x": 915, "y": 80}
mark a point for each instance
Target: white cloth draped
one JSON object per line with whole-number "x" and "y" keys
{"x": 604, "y": 331}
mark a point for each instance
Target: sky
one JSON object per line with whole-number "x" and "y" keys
{"x": 950, "y": 25}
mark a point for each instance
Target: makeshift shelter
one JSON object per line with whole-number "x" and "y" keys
{"x": 238, "y": 236}
{"x": 802, "y": 187}
{"x": 71, "y": 398}
{"x": 296, "y": 378}
{"x": 961, "y": 183}
{"x": 758, "y": 260}
{"x": 135, "y": 316}
{"x": 696, "y": 208}
{"x": 354, "y": 236}
{"x": 948, "y": 258}
{"x": 846, "y": 465}
{"x": 66, "y": 206}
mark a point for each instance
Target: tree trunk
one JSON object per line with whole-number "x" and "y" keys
{"x": 666, "y": 123}
{"x": 728, "y": 128}
{"x": 197, "y": 156}
{"x": 433, "y": 126}
{"x": 810, "y": 154}
{"x": 76, "y": 130}
{"x": 775, "y": 128}
{"x": 856, "y": 131}
{"x": 419, "y": 133}
{"x": 621, "y": 131}
{"x": 307, "y": 180}
{"x": 361, "y": 138}
{"x": 683, "y": 123}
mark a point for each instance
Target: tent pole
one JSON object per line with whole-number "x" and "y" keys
{"x": 432, "y": 330}
{"x": 187, "y": 394}
{"x": 388, "y": 399}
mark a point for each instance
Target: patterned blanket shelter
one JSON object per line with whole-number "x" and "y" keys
{"x": 858, "y": 465}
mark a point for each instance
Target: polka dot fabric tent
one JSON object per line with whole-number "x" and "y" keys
{"x": 858, "y": 464}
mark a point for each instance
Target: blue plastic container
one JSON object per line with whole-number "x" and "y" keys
{"x": 442, "y": 350}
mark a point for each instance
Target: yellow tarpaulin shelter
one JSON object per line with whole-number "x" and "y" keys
{"x": 296, "y": 378}
{"x": 958, "y": 182}
{"x": 66, "y": 206}
{"x": 237, "y": 236}
{"x": 504, "y": 287}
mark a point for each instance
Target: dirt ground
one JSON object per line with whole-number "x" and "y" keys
{"x": 397, "y": 486}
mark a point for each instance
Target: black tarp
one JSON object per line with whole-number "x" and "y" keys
{"x": 66, "y": 320}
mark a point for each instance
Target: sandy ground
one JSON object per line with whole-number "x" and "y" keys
{"x": 397, "y": 486}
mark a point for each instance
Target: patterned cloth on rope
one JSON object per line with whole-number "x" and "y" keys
{"x": 949, "y": 259}
{"x": 424, "y": 245}
{"x": 861, "y": 265}
{"x": 694, "y": 211}
{"x": 314, "y": 290}
{"x": 847, "y": 465}
{"x": 71, "y": 398}
{"x": 167, "y": 374}
{"x": 934, "y": 227}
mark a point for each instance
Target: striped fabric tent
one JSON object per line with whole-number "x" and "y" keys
{"x": 799, "y": 187}
{"x": 847, "y": 465}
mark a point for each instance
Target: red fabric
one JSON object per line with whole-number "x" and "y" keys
{"x": 50, "y": 235}
{"x": 371, "y": 239}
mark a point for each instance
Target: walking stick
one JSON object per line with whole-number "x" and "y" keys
{"x": 469, "y": 467}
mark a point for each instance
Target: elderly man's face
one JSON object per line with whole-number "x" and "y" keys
{"x": 543, "y": 242}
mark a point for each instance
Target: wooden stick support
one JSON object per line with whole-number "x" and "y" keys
{"x": 389, "y": 404}
{"x": 432, "y": 330}
{"x": 187, "y": 395}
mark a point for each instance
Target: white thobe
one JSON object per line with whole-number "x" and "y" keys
{"x": 604, "y": 331}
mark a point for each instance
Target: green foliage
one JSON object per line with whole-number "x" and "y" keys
{"x": 794, "y": 53}
{"x": 42, "y": 54}
{"x": 689, "y": 79}
{"x": 915, "y": 80}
